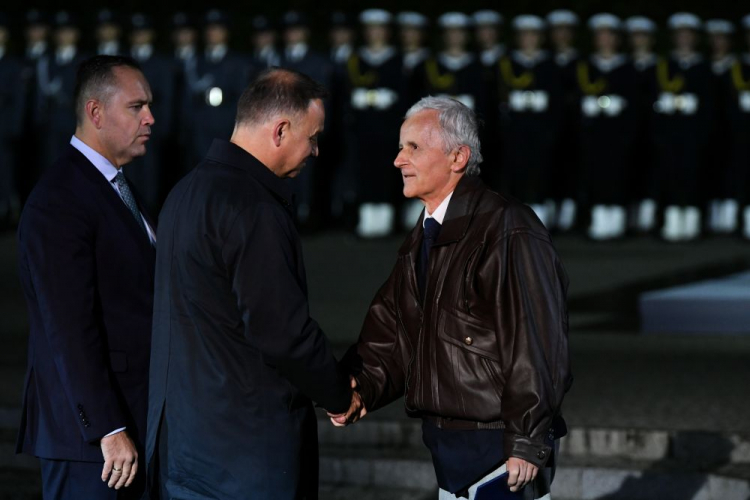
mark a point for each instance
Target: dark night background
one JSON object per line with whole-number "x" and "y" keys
{"x": 319, "y": 12}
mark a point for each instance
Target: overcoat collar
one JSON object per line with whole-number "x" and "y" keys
{"x": 228, "y": 153}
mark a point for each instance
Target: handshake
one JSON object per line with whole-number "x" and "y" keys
{"x": 356, "y": 410}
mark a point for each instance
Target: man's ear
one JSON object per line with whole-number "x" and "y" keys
{"x": 461, "y": 157}
{"x": 280, "y": 131}
{"x": 94, "y": 110}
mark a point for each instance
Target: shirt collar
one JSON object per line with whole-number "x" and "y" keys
{"x": 102, "y": 164}
{"x": 439, "y": 213}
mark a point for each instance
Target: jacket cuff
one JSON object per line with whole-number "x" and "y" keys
{"x": 534, "y": 451}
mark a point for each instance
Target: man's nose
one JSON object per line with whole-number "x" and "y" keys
{"x": 149, "y": 118}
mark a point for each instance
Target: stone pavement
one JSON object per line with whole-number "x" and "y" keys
{"x": 651, "y": 417}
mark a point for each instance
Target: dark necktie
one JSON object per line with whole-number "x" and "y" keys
{"x": 429, "y": 236}
{"x": 127, "y": 197}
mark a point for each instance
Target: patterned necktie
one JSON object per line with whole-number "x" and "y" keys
{"x": 127, "y": 197}
{"x": 429, "y": 236}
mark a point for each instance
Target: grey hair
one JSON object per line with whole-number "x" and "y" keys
{"x": 459, "y": 126}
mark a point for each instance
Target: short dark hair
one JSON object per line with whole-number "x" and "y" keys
{"x": 96, "y": 78}
{"x": 277, "y": 91}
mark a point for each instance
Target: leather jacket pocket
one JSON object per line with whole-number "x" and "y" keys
{"x": 469, "y": 333}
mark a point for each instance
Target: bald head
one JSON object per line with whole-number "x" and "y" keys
{"x": 277, "y": 92}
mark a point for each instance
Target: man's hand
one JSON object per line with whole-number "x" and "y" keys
{"x": 520, "y": 473}
{"x": 120, "y": 460}
{"x": 356, "y": 411}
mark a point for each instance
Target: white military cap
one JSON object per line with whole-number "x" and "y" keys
{"x": 640, "y": 23}
{"x": 562, "y": 17}
{"x": 605, "y": 21}
{"x": 411, "y": 19}
{"x": 375, "y": 16}
{"x": 454, "y": 20}
{"x": 746, "y": 22}
{"x": 684, "y": 20}
{"x": 528, "y": 22}
{"x": 487, "y": 17}
{"x": 719, "y": 27}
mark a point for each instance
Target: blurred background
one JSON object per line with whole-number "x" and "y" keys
{"x": 627, "y": 132}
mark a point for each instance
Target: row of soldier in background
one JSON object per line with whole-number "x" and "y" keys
{"x": 608, "y": 142}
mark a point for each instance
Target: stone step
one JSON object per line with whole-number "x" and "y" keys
{"x": 613, "y": 479}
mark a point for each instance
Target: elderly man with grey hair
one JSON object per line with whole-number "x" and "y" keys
{"x": 471, "y": 325}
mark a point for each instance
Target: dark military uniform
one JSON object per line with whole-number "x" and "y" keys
{"x": 737, "y": 104}
{"x": 213, "y": 87}
{"x": 642, "y": 182}
{"x": 530, "y": 92}
{"x": 608, "y": 101}
{"x": 376, "y": 90}
{"x": 55, "y": 109}
{"x": 457, "y": 77}
{"x": 681, "y": 94}
{"x": 28, "y": 172}
{"x": 12, "y": 98}
{"x": 567, "y": 173}
{"x": 147, "y": 173}
{"x": 311, "y": 181}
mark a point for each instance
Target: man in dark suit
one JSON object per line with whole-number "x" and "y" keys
{"x": 236, "y": 358}
{"x": 86, "y": 259}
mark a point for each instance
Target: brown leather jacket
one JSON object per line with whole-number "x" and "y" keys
{"x": 489, "y": 346}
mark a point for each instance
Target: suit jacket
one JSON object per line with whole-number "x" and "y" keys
{"x": 236, "y": 358}
{"x": 86, "y": 269}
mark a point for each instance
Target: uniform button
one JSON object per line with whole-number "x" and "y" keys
{"x": 81, "y": 414}
{"x": 468, "y": 340}
{"x": 80, "y": 407}
{"x": 87, "y": 425}
{"x": 551, "y": 437}
{"x": 541, "y": 455}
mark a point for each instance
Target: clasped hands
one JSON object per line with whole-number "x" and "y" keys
{"x": 355, "y": 412}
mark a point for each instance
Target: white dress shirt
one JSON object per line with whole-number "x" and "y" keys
{"x": 439, "y": 213}
{"x": 109, "y": 172}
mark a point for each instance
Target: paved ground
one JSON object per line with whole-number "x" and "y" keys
{"x": 623, "y": 379}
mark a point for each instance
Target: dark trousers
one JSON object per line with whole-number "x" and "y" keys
{"x": 66, "y": 480}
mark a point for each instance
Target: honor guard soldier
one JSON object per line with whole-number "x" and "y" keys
{"x": 338, "y": 132}
{"x": 341, "y": 38}
{"x": 487, "y": 25}
{"x": 530, "y": 110}
{"x": 562, "y": 26}
{"x": 643, "y": 183}
{"x": 108, "y": 31}
{"x": 738, "y": 110}
{"x": 265, "y": 54}
{"x": 376, "y": 89}
{"x": 412, "y": 28}
{"x": 56, "y": 76}
{"x": 184, "y": 55}
{"x": 36, "y": 34}
{"x": 723, "y": 210}
{"x": 608, "y": 93}
{"x": 214, "y": 86}
{"x": 147, "y": 173}
{"x": 412, "y": 31}
{"x": 12, "y": 101}
{"x": 298, "y": 56}
{"x": 682, "y": 98}
{"x": 455, "y": 72}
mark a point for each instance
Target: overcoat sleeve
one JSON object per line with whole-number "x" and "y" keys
{"x": 262, "y": 260}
